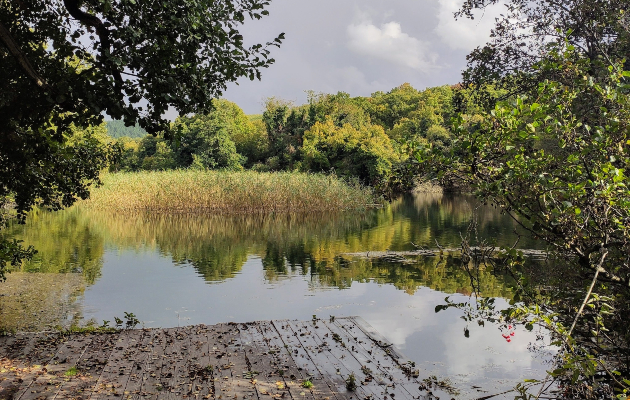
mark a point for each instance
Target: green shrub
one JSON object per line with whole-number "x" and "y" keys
{"x": 206, "y": 140}
{"x": 365, "y": 153}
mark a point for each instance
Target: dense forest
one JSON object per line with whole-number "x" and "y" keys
{"x": 362, "y": 138}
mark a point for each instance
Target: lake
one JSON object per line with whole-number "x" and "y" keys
{"x": 173, "y": 270}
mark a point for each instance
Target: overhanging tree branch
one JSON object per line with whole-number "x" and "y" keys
{"x": 21, "y": 58}
{"x": 101, "y": 30}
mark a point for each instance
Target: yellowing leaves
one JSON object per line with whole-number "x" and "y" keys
{"x": 364, "y": 152}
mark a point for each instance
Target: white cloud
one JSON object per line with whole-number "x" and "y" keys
{"x": 353, "y": 80}
{"x": 391, "y": 44}
{"x": 464, "y": 33}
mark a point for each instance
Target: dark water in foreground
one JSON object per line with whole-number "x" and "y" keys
{"x": 182, "y": 269}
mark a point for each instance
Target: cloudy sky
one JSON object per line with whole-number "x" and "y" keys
{"x": 359, "y": 47}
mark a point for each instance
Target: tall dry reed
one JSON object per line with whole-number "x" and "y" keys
{"x": 227, "y": 192}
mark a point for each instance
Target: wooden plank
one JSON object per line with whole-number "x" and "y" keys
{"x": 254, "y": 361}
{"x": 232, "y": 377}
{"x": 388, "y": 353}
{"x": 152, "y": 367}
{"x": 382, "y": 369}
{"x": 11, "y": 370}
{"x": 380, "y": 340}
{"x": 171, "y": 346}
{"x": 24, "y": 357}
{"x": 89, "y": 368}
{"x": 379, "y": 348}
{"x": 318, "y": 339}
{"x": 329, "y": 367}
{"x": 305, "y": 365}
{"x": 6, "y": 343}
{"x": 175, "y": 379}
{"x": 367, "y": 359}
{"x": 33, "y": 348}
{"x": 16, "y": 346}
{"x": 218, "y": 357}
{"x": 48, "y": 383}
{"x": 393, "y": 352}
{"x": 115, "y": 374}
{"x": 260, "y": 360}
{"x": 290, "y": 374}
{"x": 199, "y": 366}
{"x": 42, "y": 348}
{"x": 141, "y": 364}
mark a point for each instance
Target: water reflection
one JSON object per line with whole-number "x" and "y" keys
{"x": 218, "y": 246}
{"x": 66, "y": 242}
{"x": 183, "y": 269}
{"x": 444, "y": 274}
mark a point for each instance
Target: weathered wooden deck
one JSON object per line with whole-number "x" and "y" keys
{"x": 260, "y": 360}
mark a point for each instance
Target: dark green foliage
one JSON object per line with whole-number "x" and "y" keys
{"x": 340, "y": 108}
{"x": 155, "y": 154}
{"x": 201, "y": 141}
{"x": 417, "y": 116}
{"x": 117, "y": 129}
{"x": 129, "y": 159}
{"x": 11, "y": 255}
{"x": 387, "y": 109}
{"x": 333, "y": 133}
{"x": 285, "y": 126}
{"x": 598, "y": 29}
{"x": 66, "y": 64}
{"x": 555, "y": 156}
{"x": 36, "y": 169}
{"x": 557, "y": 162}
{"x": 177, "y": 53}
{"x": 205, "y": 141}
{"x": 252, "y": 143}
{"x": 365, "y": 153}
{"x": 338, "y": 133}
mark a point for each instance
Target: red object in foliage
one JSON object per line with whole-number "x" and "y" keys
{"x": 507, "y": 335}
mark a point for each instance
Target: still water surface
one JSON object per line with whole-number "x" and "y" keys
{"x": 182, "y": 269}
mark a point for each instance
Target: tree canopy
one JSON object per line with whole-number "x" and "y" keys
{"x": 554, "y": 154}
{"x": 332, "y": 133}
{"x": 598, "y": 30}
{"x": 67, "y": 63}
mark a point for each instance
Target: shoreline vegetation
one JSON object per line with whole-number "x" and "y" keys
{"x": 367, "y": 139}
{"x": 228, "y": 192}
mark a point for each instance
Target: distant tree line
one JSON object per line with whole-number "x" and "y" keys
{"x": 360, "y": 138}
{"x": 117, "y": 129}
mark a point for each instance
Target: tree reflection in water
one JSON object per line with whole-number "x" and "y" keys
{"x": 310, "y": 245}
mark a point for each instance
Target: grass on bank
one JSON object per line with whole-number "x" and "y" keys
{"x": 227, "y": 192}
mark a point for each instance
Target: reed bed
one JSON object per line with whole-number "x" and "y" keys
{"x": 227, "y": 192}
